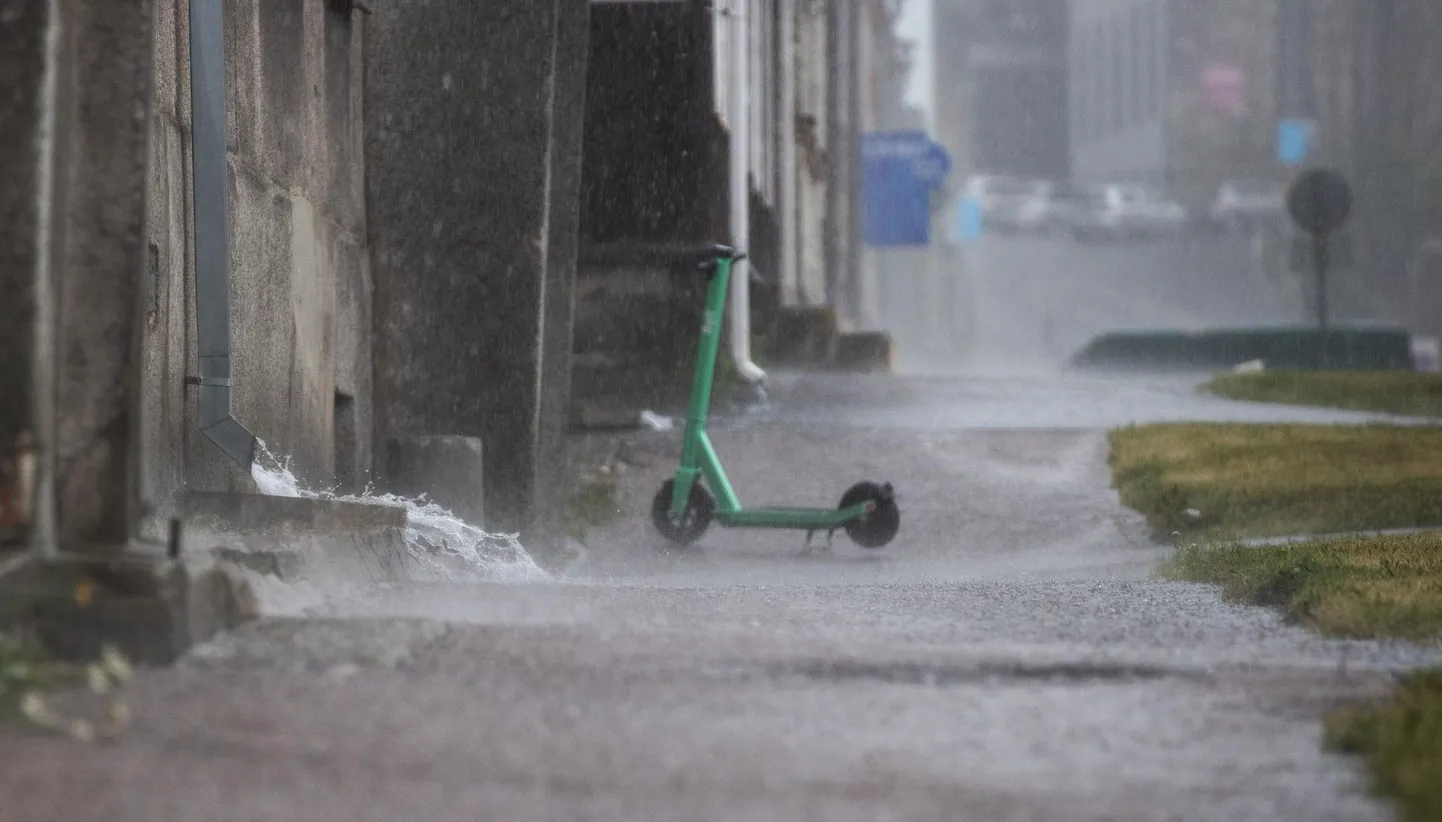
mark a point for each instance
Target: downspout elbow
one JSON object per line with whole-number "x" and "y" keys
{"x": 217, "y": 423}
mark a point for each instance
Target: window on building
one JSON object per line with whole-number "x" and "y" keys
{"x": 1146, "y": 62}
{"x": 1102, "y": 111}
{"x": 1157, "y": 77}
{"x": 1079, "y": 90}
{"x": 1124, "y": 67}
{"x": 1119, "y": 71}
{"x": 1133, "y": 58}
{"x": 1103, "y": 80}
{"x": 1119, "y": 74}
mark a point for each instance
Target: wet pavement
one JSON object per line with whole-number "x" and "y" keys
{"x": 1010, "y": 657}
{"x": 1072, "y": 292}
{"x": 1038, "y": 399}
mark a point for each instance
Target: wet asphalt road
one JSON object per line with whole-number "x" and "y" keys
{"x": 1023, "y": 304}
{"x": 1073, "y": 292}
{"x": 1010, "y": 657}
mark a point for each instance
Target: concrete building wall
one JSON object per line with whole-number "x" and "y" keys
{"x": 476, "y": 195}
{"x": 101, "y": 166}
{"x": 766, "y": 87}
{"x": 844, "y": 124}
{"x": 654, "y": 152}
{"x": 814, "y": 154}
{"x": 473, "y": 167}
{"x": 654, "y": 180}
{"x": 23, "y": 60}
{"x": 72, "y": 162}
{"x": 659, "y": 114}
{"x": 300, "y": 279}
{"x": 875, "y": 110}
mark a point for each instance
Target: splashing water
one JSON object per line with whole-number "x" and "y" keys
{"x": 436, "y": 537}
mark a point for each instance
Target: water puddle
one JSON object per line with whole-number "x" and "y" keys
{"x": 435, "y": 537}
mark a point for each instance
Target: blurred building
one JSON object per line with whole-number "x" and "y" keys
{"x": 1172, "y": 92}
{"x": 1190, "y": 94}
{"x": 1001, "y": 86}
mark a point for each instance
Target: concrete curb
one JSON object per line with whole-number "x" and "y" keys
{"x": 1295, "y": 539}
{"x": 1350, "y": 345}
{"x": 804, "y": 336}
{"x": 240, "y": 556}
{"x": 152, "y": 609}
{"x": 865, "y": 351}
{"x": 301, "y": 540}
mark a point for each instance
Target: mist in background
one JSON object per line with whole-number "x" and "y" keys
{"x": 915, "y": 26}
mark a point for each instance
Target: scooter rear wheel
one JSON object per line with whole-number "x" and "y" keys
{"x": 700, "y": 507}
{"x": 877, "y": 529}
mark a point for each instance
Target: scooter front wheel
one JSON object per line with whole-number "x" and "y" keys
{"x": 877, "y": 529}
{"x": 700, "y": 507}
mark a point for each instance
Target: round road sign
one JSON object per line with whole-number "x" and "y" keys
{"x": 1320, "y": 201}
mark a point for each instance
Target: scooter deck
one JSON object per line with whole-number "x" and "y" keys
{"x": 801, "y": 519}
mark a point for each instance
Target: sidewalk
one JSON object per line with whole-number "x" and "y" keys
{"x": 1009, "y": 657}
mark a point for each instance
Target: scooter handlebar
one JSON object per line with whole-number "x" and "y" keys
{"x": 711, "y": 256}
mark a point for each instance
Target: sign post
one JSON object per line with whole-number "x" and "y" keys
{"x": 1319, "y": 202}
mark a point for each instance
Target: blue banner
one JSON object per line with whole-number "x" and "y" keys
{"x": 968, "y": 220}
{"x": 899, "y": 172}
{"x": 1294, "y": 141}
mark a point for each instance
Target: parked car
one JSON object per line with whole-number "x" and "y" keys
{"x": 1127, "y": 211}
{"x": 1240, "y": 205}
{"x": 1008, "y": 204}
{"x": 1065, "y": 208}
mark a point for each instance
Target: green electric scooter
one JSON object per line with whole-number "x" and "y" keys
{"x": 684, "y": 507}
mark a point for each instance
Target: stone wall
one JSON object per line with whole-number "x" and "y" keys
{"x": 813, "y": 157}
{"x": 101, "y": 172}
{"x": 654, "y": 151}
{"x": 300, "y": 279}
{"x": 23, "y": 24}
{"x": 475, "y": 190}
{"x": 72, "y": 170}
{"x": 473, "y": 177}
{"x": 655, "y": 186}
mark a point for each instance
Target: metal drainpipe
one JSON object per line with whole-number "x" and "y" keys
{"x": 212, "y": 233}
{"x": 741, "y": 192}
